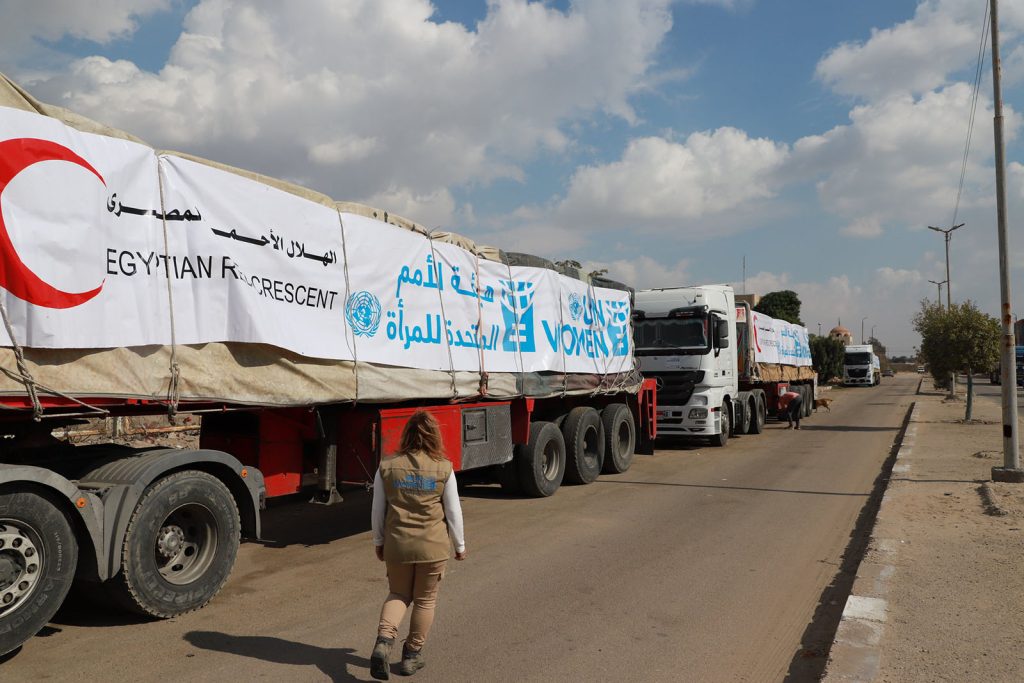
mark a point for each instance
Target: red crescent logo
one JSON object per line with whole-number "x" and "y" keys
{"x": 15, "y": 156}
{"x": 757, "y": 343}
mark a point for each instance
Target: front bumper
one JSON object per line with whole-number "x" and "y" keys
{"x": 676, "y": 421}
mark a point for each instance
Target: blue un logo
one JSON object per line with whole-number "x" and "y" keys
{"x": 575, "y": 305}
{"x": 362, "y": 310}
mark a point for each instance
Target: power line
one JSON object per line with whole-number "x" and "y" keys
{"x": 974, "y": 109}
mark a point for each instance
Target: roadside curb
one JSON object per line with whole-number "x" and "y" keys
{"x": 855, "y": 654}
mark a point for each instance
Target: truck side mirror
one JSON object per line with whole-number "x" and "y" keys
{"x": 722, "y": 333}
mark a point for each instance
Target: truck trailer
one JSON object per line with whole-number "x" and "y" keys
{"x": 720, "y": 367}
{"x": 302, "y": 331}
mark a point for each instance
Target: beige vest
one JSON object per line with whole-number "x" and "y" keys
{"x": 414, "y": 528}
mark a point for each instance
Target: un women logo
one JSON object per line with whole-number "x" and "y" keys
{"x": 575, "y": 306}
{"x": 362, "y": 310}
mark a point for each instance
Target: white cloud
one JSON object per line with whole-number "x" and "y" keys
{"x": 658, "y": 182}
{"x": 899, "y": 160}
{"x": 24, "y": 24}
{"x": 377, "y": 94}
{"x": 433, "y": 210}
{"x": 867, "y": 227}
{"x": 917, "y": 55}
{"x": 644, "y": 272}
{"x": 896, "y": 277}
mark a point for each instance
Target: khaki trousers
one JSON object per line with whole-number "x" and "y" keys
{"x": 417, "y": 583}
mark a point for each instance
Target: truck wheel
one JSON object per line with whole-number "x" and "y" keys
{"x": 741, "y": 425}
{"x": 180, "y": 545}
{"x": 760, "y": 415}
{"x": 722, "y": 438}
{"x": 808, "y": 405}
{"x": 619, "y": 438}
{"x": 584, "y": 445}
{"x": 542, "y": 460}
{"x": 38, "y": 554}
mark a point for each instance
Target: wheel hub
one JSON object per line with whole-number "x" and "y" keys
{"x": 19, "y": 565}
{"x": 169, "y": 540}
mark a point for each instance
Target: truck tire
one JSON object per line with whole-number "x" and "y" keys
{"x": 180, "y": 546}
{"x": 584, "y": 445}
{"x": 542, "y": 460}
{"x": 38, "y": 556}
{"x": 741, "y": 425}
{"x": 760, "y": 415}
{"x": 619, "y": 438}
{"x": 808, "y": 405}
{"x": 722, "y": 438}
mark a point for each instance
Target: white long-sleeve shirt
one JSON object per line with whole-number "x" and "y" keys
{"x": 449, "y": 499}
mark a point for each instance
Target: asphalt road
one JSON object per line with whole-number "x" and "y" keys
{"x": 699, "y": 564}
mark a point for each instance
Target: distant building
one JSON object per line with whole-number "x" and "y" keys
{"x": 842, "y": 334}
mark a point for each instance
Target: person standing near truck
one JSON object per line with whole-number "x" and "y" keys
{"x": 791, "y": 405}
{"x": 416, "y": 517}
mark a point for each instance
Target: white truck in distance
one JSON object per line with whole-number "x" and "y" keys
{"x": 861, "y": 366}
{"x": 720, "y": 367}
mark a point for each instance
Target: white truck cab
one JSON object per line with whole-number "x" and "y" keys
{"x": 685, "y": 339}
{"x": 861, "y": 366}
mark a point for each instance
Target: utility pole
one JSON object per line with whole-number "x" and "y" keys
{"x": 873, "y": 331}
{"x": 862, "y": 329}
{"x": 939, "y": 284}
{"x": 1011, "y": 470}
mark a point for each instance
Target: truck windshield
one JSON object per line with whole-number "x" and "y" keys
{"x": 680, "y": 333}
{"x": 859, "y": 358}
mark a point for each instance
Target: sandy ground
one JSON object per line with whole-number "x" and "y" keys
{"x": 956, "y": 597}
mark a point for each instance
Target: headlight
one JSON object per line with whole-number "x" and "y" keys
{"x": 698, "y": 413}
{"x": 699, "y": 400}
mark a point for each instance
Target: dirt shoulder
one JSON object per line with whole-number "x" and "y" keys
{"x": 940, "y": 593}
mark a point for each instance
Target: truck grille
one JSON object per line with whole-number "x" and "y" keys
{"x": 675, "y": 388}
{"x": 857, "y": 372}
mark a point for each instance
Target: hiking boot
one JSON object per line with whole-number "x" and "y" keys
{"x": 380, "y": 660}
{"x": 412, "y": 661}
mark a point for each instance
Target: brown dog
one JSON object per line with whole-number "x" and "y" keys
{"x": 825, "y": 403}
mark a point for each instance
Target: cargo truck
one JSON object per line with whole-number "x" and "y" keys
{"x": 861, "y": 366}
{"x": 302, "y": 331}
{"x": 719, "y": 366}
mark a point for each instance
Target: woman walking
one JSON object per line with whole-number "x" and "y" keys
{"x": 416, "y": 518}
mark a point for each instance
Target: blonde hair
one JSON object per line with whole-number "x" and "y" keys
{"x": 422, "y": 433}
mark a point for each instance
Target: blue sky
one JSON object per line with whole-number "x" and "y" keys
{"x": 663, "y": 140}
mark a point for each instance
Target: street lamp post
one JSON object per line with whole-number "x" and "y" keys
{"x": 819, "y": 329}
{"x": 862, "y": 329}
{"x": 948, "y": 232}
{"x": 939, "y": 285}
{"x": 949, "y": 289}
{"x": 873, "y": 331}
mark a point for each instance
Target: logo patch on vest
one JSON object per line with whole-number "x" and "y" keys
{"x": 416, "y": 482}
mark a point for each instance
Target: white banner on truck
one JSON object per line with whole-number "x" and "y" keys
{"x": 779, "y": 342}
{"x": 100, "y": 239}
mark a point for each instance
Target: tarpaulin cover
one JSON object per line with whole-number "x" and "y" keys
{"x": 119, "y": 262}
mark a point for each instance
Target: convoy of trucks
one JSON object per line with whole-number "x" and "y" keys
{"x": 304, "y": 332}
{"x": 861, "y": 366}
{"x": 720, "y": 367}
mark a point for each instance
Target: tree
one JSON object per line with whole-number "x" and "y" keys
{"x": 960, "y": 339}
{"x": 827, "y": 356}
{"x": 781, "y": 305}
